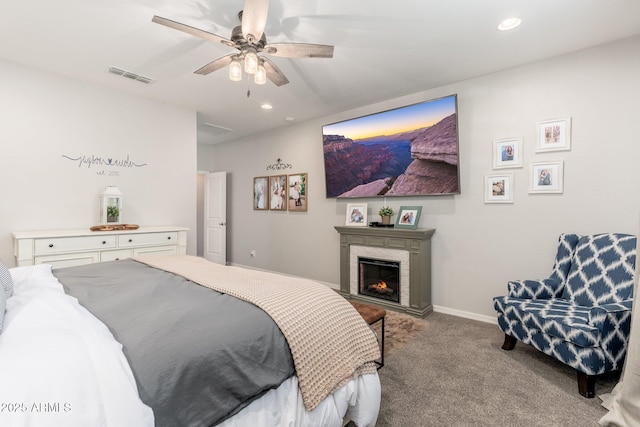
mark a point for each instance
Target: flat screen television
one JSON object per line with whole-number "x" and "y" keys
{"x": 407, "y": 151}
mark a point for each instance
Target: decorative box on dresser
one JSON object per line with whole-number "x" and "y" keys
{"x": 66, "y": 248}
{"x": 412, "y": 248}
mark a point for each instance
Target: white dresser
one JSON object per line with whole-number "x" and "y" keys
{"x": 65, "y": 248}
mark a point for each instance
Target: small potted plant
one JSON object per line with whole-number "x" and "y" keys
{"x": 385, "y": 213}
{"x": 112, "y": 213}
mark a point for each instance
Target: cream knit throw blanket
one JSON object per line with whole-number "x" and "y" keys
{"x": 329, "y": 341}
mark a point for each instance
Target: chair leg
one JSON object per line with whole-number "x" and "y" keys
{"x": 509, "y": 342}
{"x": 587, "y": 385}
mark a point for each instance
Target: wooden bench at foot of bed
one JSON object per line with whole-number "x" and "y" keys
{"x": 372, "y": 314}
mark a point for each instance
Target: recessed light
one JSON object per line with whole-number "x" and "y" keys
{"x": 509, "y": 24}
{"x": 290, "y": 119}
{"x": 266, "y": 106}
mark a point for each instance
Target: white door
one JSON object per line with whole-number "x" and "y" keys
{"x": 215, "y": 217}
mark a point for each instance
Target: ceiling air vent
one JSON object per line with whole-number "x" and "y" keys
{"x": 212, "y": 129}
{"x": 130, "y": 75}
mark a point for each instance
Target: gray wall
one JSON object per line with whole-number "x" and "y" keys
{"x": 477, "y": 247}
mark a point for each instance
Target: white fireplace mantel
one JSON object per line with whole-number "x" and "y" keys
{"x": 416, "y": 244}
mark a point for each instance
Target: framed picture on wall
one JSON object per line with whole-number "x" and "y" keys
{"x": 356, "y": 215}
{"x": 261, "y": 193}
{"x": 546, "y": 177}
{"x": 278, "y": 192}
{"x": 507, "y": 153}
{"x": 498, "y": 188}
{"x": 298, "y": 192}
{"x": 554, "y": 135}
{"x": 408, "y": 217}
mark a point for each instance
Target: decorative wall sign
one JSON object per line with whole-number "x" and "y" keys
{"x": 278, "y": 165}
{"x": 94, "y": 161}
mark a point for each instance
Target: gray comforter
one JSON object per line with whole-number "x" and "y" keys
{"x": 198, "y": 356}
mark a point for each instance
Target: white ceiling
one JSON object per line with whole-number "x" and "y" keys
{"x": 383, "y": 49}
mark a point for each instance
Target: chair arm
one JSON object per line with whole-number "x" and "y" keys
{"x": 535, "y": 289}
{"x": 608, "y": 317}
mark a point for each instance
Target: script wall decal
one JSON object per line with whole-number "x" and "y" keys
{"x": 98, "y": 162}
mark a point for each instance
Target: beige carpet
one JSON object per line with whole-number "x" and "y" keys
{"x": 453, "y": 373}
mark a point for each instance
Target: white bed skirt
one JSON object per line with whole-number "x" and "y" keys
{"x": 358, "y": 400}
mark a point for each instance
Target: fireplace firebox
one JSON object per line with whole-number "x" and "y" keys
{"x": 379, "y": 279}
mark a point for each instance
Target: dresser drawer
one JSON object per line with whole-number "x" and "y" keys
{"x": 68, "y": 260}
{"x": 73, "y": 244}
{"x": 115, "y": 255}
{"x": 148, "y": 239}
{"x": 156, "y": 250}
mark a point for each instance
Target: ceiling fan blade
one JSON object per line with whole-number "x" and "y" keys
{"x": 192, "y": 30}
{"x": 299, "y": 50}
{"x": 254, "y": 18}
{"x": 273, "y": 73}
{"x": 215, "y": 65}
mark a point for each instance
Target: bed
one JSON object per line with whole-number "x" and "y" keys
{"x": 177, "y": 340}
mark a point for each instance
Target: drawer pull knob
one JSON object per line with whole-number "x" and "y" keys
{"x": 130, "y": 240}
{"x": 169, "y": 237}
{"x": 104, "y": 243}
{"x": 50, "y": 245}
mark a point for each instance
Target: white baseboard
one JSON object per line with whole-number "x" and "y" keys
{"x": 436, "y": 308}
{"x": 465, "y": 314}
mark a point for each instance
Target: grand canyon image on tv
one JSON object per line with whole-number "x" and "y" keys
{"x": 407, "y": 151}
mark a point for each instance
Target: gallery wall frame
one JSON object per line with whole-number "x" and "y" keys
{"x": 554, "y": 135}
{"x": 298, "y": 192}
{"x": 408, "y": 217}
{"x": 507, "y": 153}
{"x": 261, "y": 193}
{"x": 546, "y": 177}
{"x": 498, "y": 188}
{"x": 356, "y": 215}
{"x": 278, "y": 192}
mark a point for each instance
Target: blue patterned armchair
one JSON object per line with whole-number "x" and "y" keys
{"x": 581, "y": 314}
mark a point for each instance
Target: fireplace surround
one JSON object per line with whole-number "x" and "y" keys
{"x": 411, "y": 249}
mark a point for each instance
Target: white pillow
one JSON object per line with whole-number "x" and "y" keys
{"x": 5, "y": 279}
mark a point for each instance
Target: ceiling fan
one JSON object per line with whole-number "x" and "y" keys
{"x": 250, "y": 40}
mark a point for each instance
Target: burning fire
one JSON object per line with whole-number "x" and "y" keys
{"x": 380, "y": 285}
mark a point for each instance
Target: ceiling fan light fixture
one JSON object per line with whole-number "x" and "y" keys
{"x": 250, "y": 61}
{"x": 260, "y": 77}
{"x": 235, "y": 71}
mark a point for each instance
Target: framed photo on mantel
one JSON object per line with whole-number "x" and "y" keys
{"x": 356, "y": 215}
{"x": 408, "y": 217}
